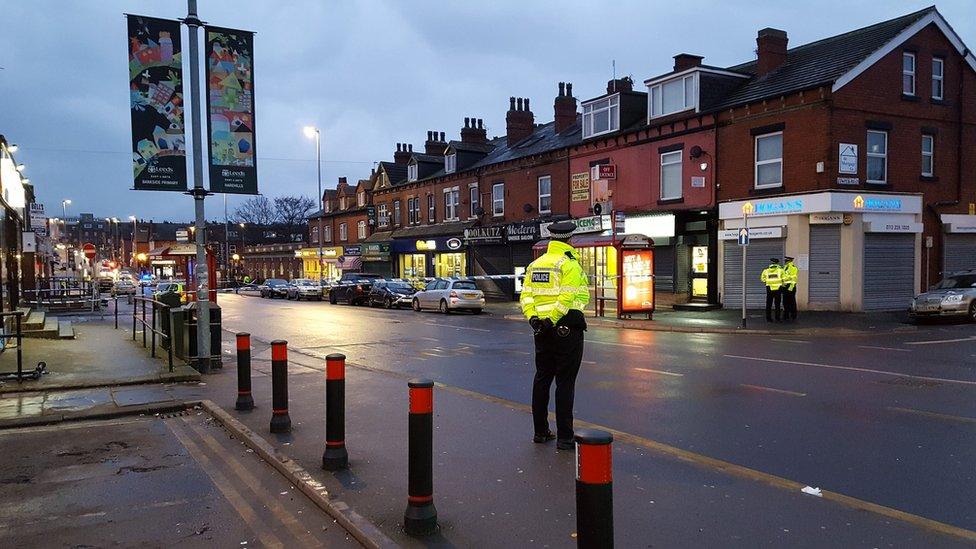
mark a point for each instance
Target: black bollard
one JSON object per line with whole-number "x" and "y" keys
{"x": 420, "y": 518}
{"x": 280, "y": 420}
{"x": 244, "y": 399}
{"x": 594, "y": 489}
{"x": 335, "y": 456}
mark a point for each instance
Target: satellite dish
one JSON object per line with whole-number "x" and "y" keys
{"x": 597, "y": 208}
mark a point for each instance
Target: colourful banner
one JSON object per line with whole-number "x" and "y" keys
{"x": 156, "y": 104}
{"x": 637, "y": 282}
{"x": 230, "y": 111}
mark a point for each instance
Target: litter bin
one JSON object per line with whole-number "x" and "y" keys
{"x": 190, "y": 333}
{"x": 171, "y": 300}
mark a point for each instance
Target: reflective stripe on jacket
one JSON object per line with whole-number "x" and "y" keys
{"x": 790, "y": 276}
{"x": 554, "y": 284}
{"x": 772, "y": 277}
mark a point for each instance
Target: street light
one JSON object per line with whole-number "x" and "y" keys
{"x": 21, "y": 167}
{"x": 747, "y": 209}
{"x": 310, "y": 132}
{"x": 134, "y": 230}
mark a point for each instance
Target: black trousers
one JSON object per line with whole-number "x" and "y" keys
{"x": 789, "y": 303}
{"x": 556, "y": 358}
{"x": 773, "y": 299}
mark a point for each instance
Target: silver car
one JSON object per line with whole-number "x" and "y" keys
{"x": 954, "y": 296}
{"x": 448, "y": 295}
{"x": 304, "y": 288}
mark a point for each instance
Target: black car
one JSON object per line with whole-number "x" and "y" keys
{"x": 275, "y": 287}
{"x": 391, "y": 294}
{"x": 353, "y": 288}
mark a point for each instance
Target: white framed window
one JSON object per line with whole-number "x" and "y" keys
{"x": 412, "y": 171}
{"x": 430, "y": 208}
{"x": 361, "y": 199}
{"x": 327, "y": 233}
{"x": 908, "y": 73}
{"x": 315, "y": 234}
{"x": 545, "y": 194}
{"x": 413, "y": 210}
{"x": 473, "y": 198}
{"x": 328, "y": 206}
{"x": 342, "y": 203}
{"x": 451, "y": 197}
{"x": 877, "y": 152}
{"x": 938, "y": 73}
{"x": 673, "y": 96}
{"x": 601, "y": 116}
{"x": 384, "y": 216}
{"x": 343, "y": 232}
{"x": 671, "y": 175}
{"x": 498, "y": 199}
{"x": 396, "y": 213}
{"x": 769, "y": 160}
{"x": 450, "y": 163}
{"x": 361, "y": 230}
{"x": 928, "y": 155}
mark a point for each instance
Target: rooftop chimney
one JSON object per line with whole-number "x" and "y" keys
{"x": 402, "y": 154}
{"x": 685, "y": 61}
{"x": 473, "y": 131}
{"x": 519, "y": 120}
{"x": 342, "y": 182}
{"x": 770, "y": 50}
{"x": 435, "y": 144}
{"x": 620, "y": 84}
{"x": 565, "y": 107}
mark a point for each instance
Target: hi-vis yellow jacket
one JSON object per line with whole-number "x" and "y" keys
{"x": 772, "y": 277}
{"x": 790, "y": 275}
{"x": 554, "y": 284}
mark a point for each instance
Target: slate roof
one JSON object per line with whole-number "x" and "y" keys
{"x": 543, "y": 139}
{"x": 395, "y": 172}
{"x": 429, "y": 158}
{"x": 471, "y": 147}
{"x": 439, "y": 229}
{"x": 818, "y": 63}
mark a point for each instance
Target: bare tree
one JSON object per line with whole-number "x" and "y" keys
{"x": 292, "y": 210}
{"x": 256, "y": 211}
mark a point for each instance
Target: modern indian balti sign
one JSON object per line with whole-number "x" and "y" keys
{"x": 230, "y": 111}
{"x": 156, "y": 104}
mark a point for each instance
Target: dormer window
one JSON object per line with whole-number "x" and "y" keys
{"x": 450, "y": 163}
{"x": 361, "y": 199}
{"x": 601, "y": 116}
{"x": 328, "y": 206}
{"x": 671, "y": 96}
{"x": 412, "y": 171}
{"x": 342, "y": 203}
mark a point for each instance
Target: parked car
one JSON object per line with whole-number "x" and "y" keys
{"x": 448, "y": 295}
{"x": 105, "y": 283}
{"x": 171, "y": 287}
{"x": 353, "y": 288}
{"x": 275, "y": 287}
{"x": 391, "y": 294}
{"x": 954, "y": 296}
{"x": 304, "y": 288}
{"x": 124, "y": 286}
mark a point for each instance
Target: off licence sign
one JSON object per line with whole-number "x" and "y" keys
{"x": 608, "y": 171}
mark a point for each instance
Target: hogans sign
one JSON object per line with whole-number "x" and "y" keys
{"x": 156, "y": 104}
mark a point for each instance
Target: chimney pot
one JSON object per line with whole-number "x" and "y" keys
{"x": 467, "y": 122}
{"x": 410, "y": 147}
{"x": 562, "y": 89}
{"x": 398, "y": 147}
{"x": 684, "y": 61}
{"x": 527, "y": 104}
{"x": 481, "y": 122}
{"x": 518, "y": 104}
{"x": 564, "y": 107}
{"x": 442, "y": 137}
{"x": 511, "y": 103}
{"x": 569, "y": 89}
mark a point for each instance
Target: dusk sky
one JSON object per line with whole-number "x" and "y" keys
{"x": 370, "y": 74}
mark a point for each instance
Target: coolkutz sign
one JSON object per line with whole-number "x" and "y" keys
{"x": 847, "y": 158}
{"x": 483, "y": 235}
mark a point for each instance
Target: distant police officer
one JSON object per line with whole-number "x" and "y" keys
{"x": 772, "y": 277}
{"x": 790, "y": 276}
{"x": 553, "y": 298}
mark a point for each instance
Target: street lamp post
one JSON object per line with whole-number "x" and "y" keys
{"x": 132, "y": 256}
{"x": 64, "y": 212}
{"x": 312, "y": 131}
{"x": 746, "y": 210}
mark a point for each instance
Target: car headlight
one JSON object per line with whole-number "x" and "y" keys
{"x": 952, "y": 299}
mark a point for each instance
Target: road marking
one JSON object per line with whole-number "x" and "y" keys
{"x": 789, "y": 340}
{"x": 589, "y": 362}
{"x": 470, "y": 345}
{"x": 851, "y": 368}
{"x": 457, "y": 327}
{"x": 662, "y": 372}
{"x": 884, "y": 348}
{"x": 937, "y": 341}
{"x": 772, "y": 390}
{"x": 616, "y": 344}
{"x": 933, "y": 415}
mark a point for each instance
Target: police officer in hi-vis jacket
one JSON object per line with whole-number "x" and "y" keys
{"x": 554, "y": 295}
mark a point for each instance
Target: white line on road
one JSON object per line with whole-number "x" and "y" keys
{"x": 934, "y": 415}
{"x": 789, "y": 340}
{"x": 851, "y": 368}
{"x": 662, "y": 372}
{"x": 616, "y": 344}
{"x": 772, "y": 390}
{"x": 937, "y": 341}
{"x": 458, "y": 327}
{"x": 589, "y": 362}
{"x": 884, "y": 348}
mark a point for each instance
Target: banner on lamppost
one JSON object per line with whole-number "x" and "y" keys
{"x": 156, "y": 104}
{"x": 230, "y": 111}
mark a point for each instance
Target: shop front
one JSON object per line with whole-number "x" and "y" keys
{"x": 854, "y": 251}
{"x": 376, "y": 258}
{"x": 427, "y": 257}
{"x": 959, "y": 243}
{"x": 310, "y": 262}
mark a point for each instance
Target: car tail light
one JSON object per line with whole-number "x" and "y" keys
{"x": 454, "y": 294}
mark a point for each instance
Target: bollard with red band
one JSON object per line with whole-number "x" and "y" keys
{"x": 335, "y": 456}
{"x": 420, "y": 519}
{"x": 594, "y": 489}
{"x": 280, "y": 420}
{"x": 244, "y": 399}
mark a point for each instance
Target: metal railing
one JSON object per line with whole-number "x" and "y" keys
{"x": 63, "y": 299}
{"x": 149, "y": 323}
{"x": 19, "y": 375}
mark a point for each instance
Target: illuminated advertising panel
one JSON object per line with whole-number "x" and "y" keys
{"x": 637, "y": 281}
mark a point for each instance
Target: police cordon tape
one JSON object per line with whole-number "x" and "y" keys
{"x": 415, "y": 280}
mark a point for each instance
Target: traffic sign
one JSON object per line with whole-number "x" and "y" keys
{"x": 743, "y": 237}
{"x": 89, "y": 250}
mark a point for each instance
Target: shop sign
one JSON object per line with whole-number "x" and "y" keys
{"x": 484, "y": 235}
{"x": 847, "y": 156}
{"x": 375, "y": 250}
{"x": 453, "y": 243}
{"x": 637, "y": 282}
{"x": 698, "y": 181}
{"x": 607, "y": 171}
{"x": 182, "y": 235}
{"x": 958, "y": 223}
{"x": 353, "y": 251}
{"x": 778, "y": 207}
{"x": 619, "y": 222}
{"x": 591, "y": 224}
{"x": 522, "y": 232}
{"x": 754, "y": 233}
{"x": 848, "y": 181}
{"x": 875, "y": 203}
{"x": 579, "y": 187}
{"x": 426, "y": 245}
{"x": 371, "y": 215}
{"x": 826, "y": 218}
{"x": 893, "y": 227}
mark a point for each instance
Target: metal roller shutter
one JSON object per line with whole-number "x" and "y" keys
{"x": 664, "y": 269}
{"x": 889, "y": 271}
{"x": 825, "y": 264}
{"x": 960, "y": 252}
{"x": 757, "y": 259}
{"x": 682, "y": 262}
